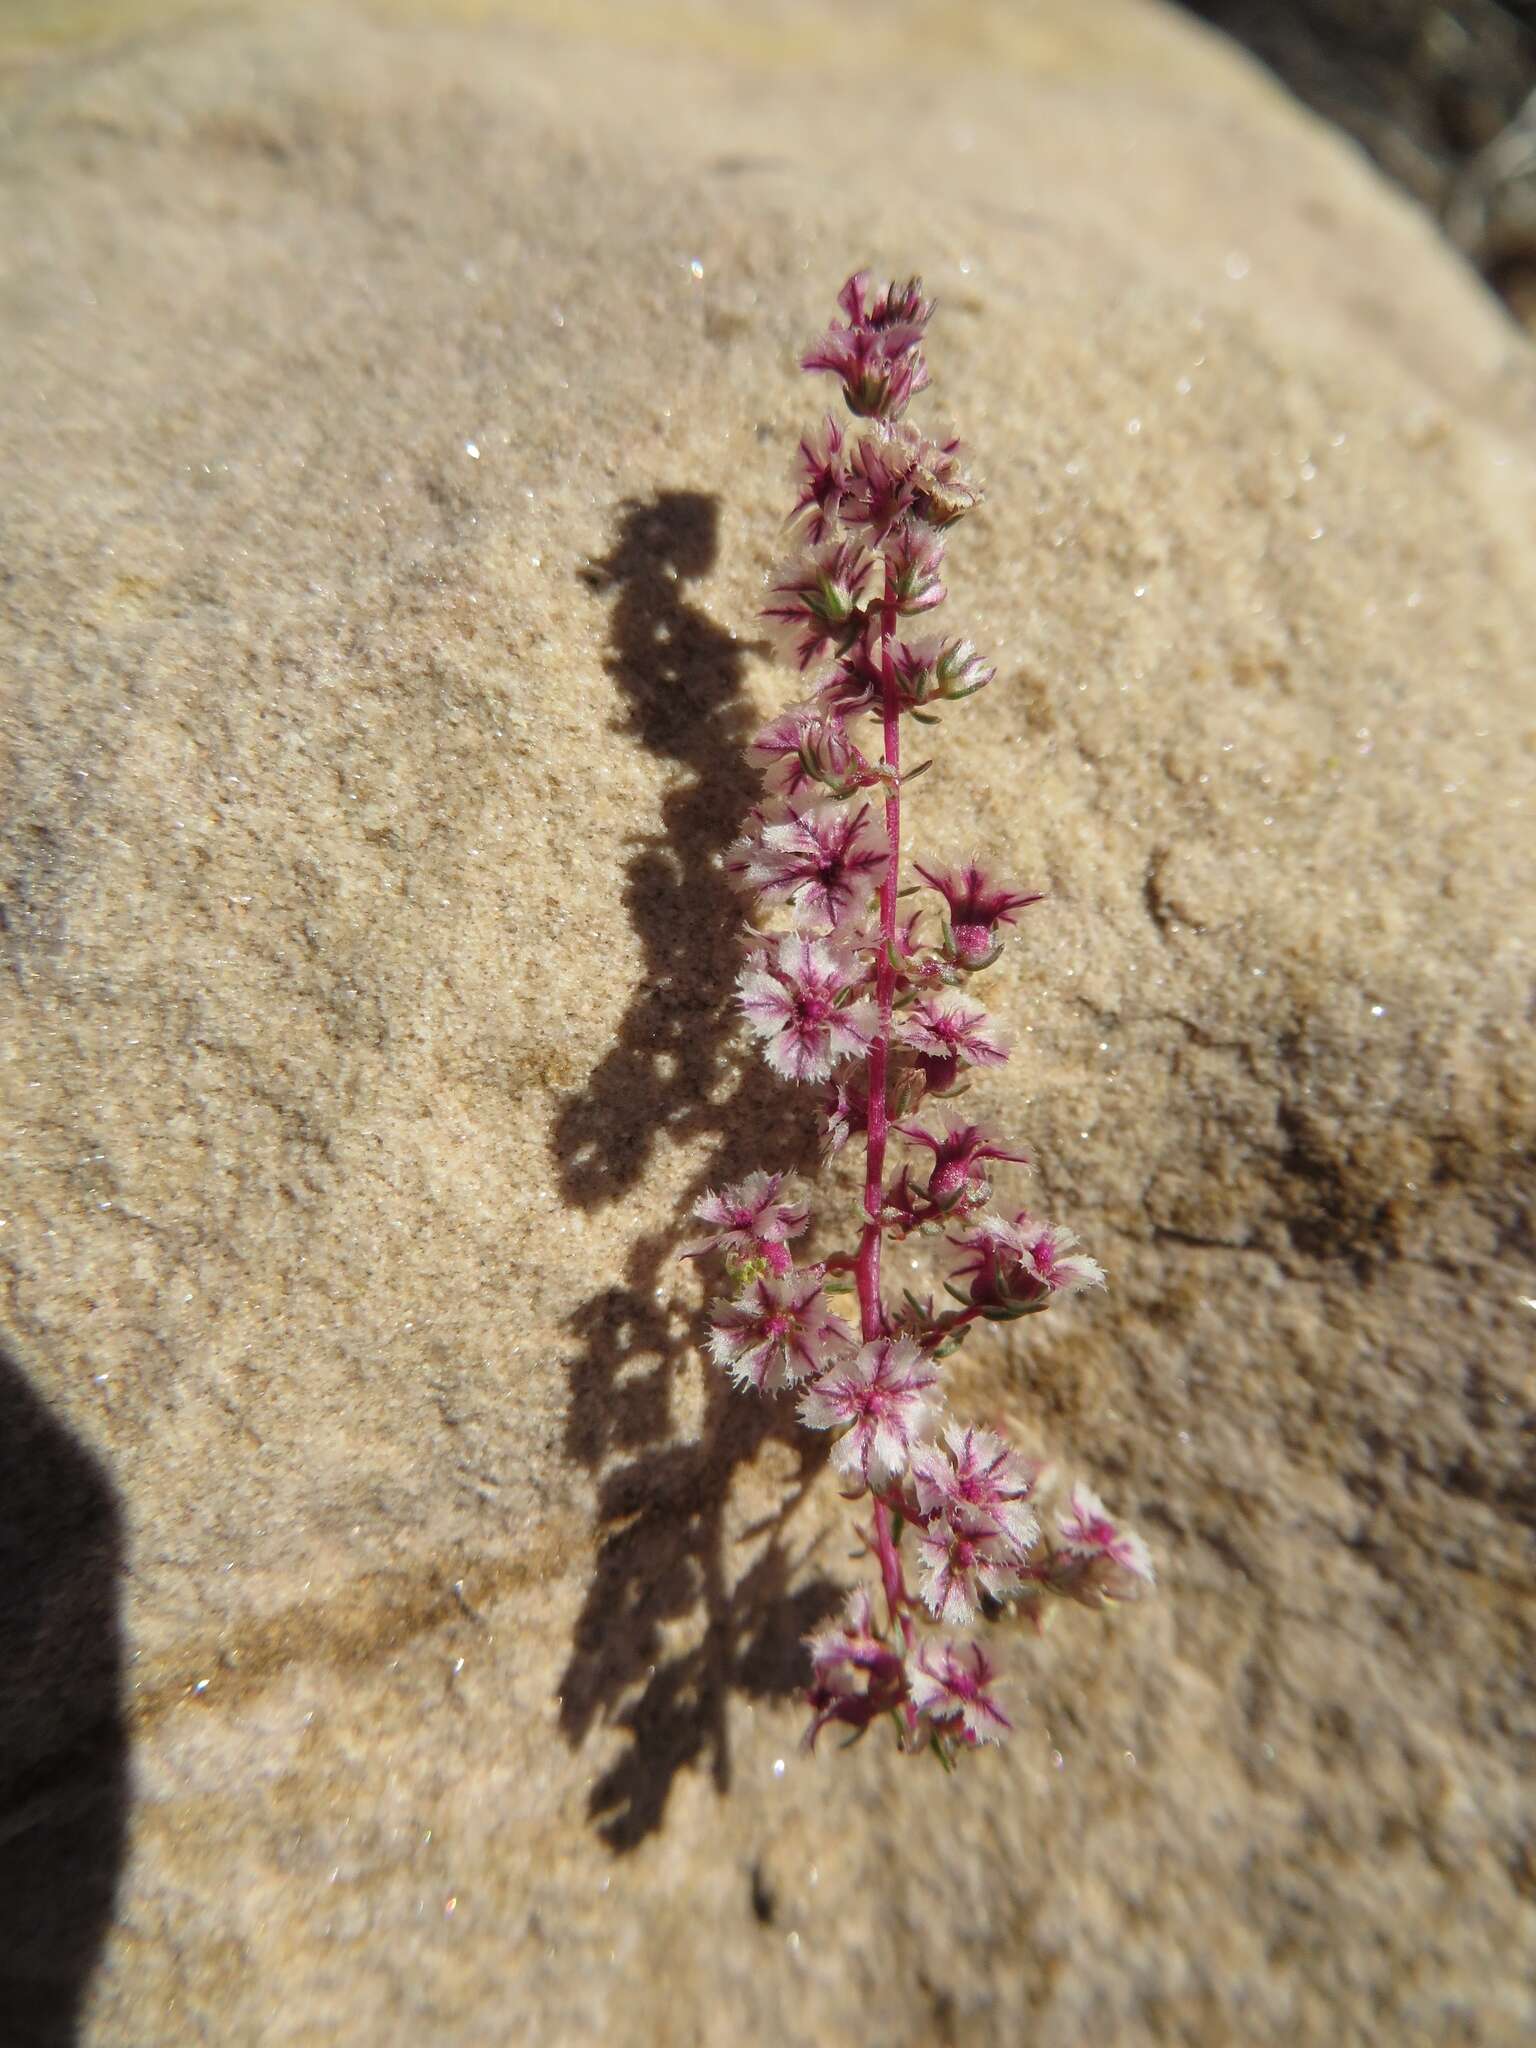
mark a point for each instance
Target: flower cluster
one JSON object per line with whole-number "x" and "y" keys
{"x": 877, "y": 1007}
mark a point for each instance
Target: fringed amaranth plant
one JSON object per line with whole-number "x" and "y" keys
{"x": 848, "y": 990}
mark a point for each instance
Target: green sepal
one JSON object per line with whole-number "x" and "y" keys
{"x": 1012, "y": 1312}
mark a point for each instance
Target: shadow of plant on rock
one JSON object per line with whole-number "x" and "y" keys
{"x": 63, "y": 1769}
{"x": 665, "y": 1637}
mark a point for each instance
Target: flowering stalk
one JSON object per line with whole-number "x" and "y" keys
{"x": 845, "y": 991}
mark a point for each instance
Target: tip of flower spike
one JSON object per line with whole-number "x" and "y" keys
{"x": 874, "y": 351}
{"x": 887, "y": 306}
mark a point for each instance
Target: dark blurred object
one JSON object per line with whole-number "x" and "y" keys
{"x": 1443, "y": 97}
{"x": 63, "y": 1745}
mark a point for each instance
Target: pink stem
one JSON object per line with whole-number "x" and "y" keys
{"x": 885, "y": 987}
{"x": 958, "y": 1322}
{"x": 871, "y": 1312}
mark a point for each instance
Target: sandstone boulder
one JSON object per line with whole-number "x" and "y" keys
{"x": 400, "y": 1624}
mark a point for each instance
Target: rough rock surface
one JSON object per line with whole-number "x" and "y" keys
{"x": 397, "y": 1624}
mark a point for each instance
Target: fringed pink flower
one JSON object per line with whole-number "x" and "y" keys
{"x": 1048, "y": 1249}
{"x": 977, "y": 906}
{"x": 1021, "y": 1263}
{"x": 913, "y": 556}
{"x": 943, "y": 489}
{"x": 1098, "y": 1560}
{"x": 875, "y": 353}
{"x": 883, "y": 1401}
{"x": 845, "y": 1105}
{"x": 779, "y": 1331}
{"x": 828, "y": 858}
{"x": 947, "y": 1032}
{"x": 880, "y": 485}
{"x": 855, "y": 1675}
{"x": 801, "y": 998}
{"x": 821, "y": 471}
{"x": 958, "y": 1566}
{"x": 974, "y": 1481}
{"x": 752, "y": 1220}
{"x": 972, "y": 1494}
{"x": 894, "y": 473}
{"x": 805, "y": 751}
{"x": 960, "y": 1151}
{"x": 927, "y": 671}
{"x": 939, "y": 671}
{"x": 951, "y": 1688}
{"x": 844, "y": 1108}
{"x": 816, "y": 601}
{"x": 853, "y": 685}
